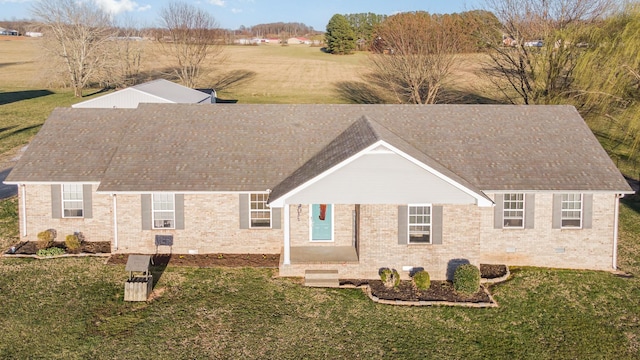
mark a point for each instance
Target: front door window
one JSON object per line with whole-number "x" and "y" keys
{"x": 321, "y": 222}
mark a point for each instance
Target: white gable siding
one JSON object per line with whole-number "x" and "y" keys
{"x": 382, "y": 178}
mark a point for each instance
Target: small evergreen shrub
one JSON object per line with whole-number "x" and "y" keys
{"x": 45, "y": 239}
{"x": 421, "y": 280}
{"x": 73, "y": 243}
{"x": 466, "y": 279}
{"x": 390, "y": 277}
{"x": 53, "y": 251}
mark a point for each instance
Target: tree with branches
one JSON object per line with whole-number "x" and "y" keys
{"x": 417, "y": 56}
{"x": 340, "y": 37}
{"x": 189, "y": 37}
{"x": 79, "y": 32}
{"x": 536, "y": 61}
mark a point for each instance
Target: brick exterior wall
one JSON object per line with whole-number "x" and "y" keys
{"x": 39, "y": 216}
{"x": 469, "y": 236}
{"x": 212, "y": 226}
{"x": 547, "y": 247}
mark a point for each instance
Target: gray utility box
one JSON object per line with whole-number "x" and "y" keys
{"x": 140, "y": 283}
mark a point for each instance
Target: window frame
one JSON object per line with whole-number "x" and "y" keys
{"x": 154, "y": 211}
{"x": 580, "y": 201}
{"x": 266, "y": 208}
{"x": 510, "y": 209}
{"x": 81, "y": 200}
{"x": 410, "y": 224}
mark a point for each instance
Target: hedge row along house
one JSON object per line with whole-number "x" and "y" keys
{"x": 346, "y": 188}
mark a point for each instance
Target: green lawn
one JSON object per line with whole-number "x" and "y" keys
{"x": 74, "y": 309}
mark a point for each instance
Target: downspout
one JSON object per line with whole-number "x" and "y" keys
{"x": 287, "y": 240}
{"x": 616, "y": 212}
{"x": 115, "y": 222}
{"x": 24, "y": 210}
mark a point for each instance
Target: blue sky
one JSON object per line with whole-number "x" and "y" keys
{"x": 231, "y": 14}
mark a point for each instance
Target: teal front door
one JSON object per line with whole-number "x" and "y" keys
{"x": 321, "y": 222}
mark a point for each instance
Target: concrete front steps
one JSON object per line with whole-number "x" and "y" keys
{"x": 321, "y": 278}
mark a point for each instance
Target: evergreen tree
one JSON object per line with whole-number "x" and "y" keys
{"x": 340, "y": 37}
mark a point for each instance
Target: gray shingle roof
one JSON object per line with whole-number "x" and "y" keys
{"x": 169, "y": 147}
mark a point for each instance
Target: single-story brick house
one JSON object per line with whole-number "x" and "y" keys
{"x": 351, "y": 188}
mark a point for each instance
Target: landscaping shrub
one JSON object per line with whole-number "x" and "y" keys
{"x": 390, "y": 277}
{"x": 50, "y": 252}
{"x": 45, "y": 239}
{"x": 73, "y": 243}
{"x": 466, "y": 279}
{"x": 422, "y": 280}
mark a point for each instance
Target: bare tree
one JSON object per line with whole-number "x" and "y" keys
{"x": 417, "y": 56}
{"x": 189, "y": 38}
{"x": 127, "y": 51}
{"x": 78, "y": 32}
{"x": 535, "y": 63}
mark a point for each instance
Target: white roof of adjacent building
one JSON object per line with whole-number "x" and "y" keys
{"x": 156, "y": 91}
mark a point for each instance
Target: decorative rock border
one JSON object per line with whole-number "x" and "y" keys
{"x": 367, "y": 290}
{"x": 492, "y": 304}
{"x": 496, "y": 280}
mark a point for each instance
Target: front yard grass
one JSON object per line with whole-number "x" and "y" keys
{"x": 74, "y": 309}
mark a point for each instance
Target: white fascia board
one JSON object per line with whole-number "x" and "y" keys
{"x": 628, "y": 192}
{"x": 371, "y": 149}
{"x": 180, "y": 192}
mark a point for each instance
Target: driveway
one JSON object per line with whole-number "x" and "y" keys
{"x": 6, "y": 191}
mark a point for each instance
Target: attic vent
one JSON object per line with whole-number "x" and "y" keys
{"x": 381, "y": 149}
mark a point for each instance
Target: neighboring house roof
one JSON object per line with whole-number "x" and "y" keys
{"x": 156, "y": 91}
{"x": 258, "y": 147}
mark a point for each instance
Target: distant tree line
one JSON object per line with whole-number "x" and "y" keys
{"x": 275, "y": 30}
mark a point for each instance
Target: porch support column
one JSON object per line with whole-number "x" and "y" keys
{"x": 287, "y": 240}
{"x": 115, "y": 223}
{"x": 23, "y": 187}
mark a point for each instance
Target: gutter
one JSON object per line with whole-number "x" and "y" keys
{"x": 616, "y": 216}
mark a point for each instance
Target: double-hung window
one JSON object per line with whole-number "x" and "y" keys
{"x": 419, "y": 224}
{"x": 571, "y": 211}
{"x": 513, "y": 211}
{"x": 72, "y": 203}
{"x": 163, "y": 210}
{"x": 259, "y": 211}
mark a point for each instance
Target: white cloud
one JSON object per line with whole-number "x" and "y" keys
{"x": 217, "y": 2}
{"x": 236, "y": 11}
{"x": 115, "y": 7}
{"x": 13, "y": 1}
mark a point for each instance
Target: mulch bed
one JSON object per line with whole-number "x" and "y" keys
{"x": 88, "y": 247}
{"x": 207, "y": 260}
{"x": 406, "y": 291}
{"x": 492, "y": 271}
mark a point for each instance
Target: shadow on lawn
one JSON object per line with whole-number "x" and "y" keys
{"x": 15, "y": 96}
{"x": 159, "y": 265}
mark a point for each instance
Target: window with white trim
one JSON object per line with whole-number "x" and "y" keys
{"x": 163, "y": 211}
{"x": 72, "y": 202}
{"x": 571, "y": 211}
{"x": 513, "y": 211}
{"x": 259, "y": 211}
{"x": 419, "y": 224}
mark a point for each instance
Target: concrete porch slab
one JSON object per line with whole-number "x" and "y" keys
{"x": 323, "y": 254}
